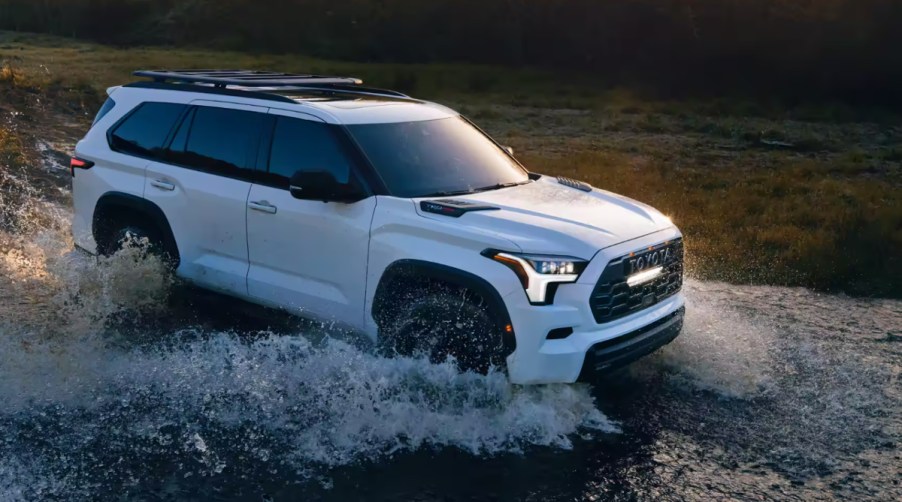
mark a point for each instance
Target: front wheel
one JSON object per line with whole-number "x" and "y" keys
{"x": 446, "y": 323}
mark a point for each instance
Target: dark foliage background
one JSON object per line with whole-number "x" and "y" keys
{"x": 793, "y": 49}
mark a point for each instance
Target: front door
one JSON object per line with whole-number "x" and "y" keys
{"x": 307, "y": 256}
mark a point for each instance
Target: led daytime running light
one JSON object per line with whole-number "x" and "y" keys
{"x": 533, "y": 280}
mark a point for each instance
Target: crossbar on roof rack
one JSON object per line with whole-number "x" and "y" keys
{"x": 245, "y": 78}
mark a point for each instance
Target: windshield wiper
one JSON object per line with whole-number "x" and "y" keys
{"x": 449, "y": 193}
{"x": 498, "y": 186}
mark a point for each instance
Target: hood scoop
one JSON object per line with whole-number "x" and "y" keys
{"x": 572, "y": 183}
{"x": 453, "y": 208}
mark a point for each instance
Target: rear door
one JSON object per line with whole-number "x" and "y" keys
{"x": 307, "y": 256}
{"x": 202, "y": 186}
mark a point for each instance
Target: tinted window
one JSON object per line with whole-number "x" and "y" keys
{"x": 145, "y": 130}
{"x": 107, "y": 106}
{"x": 304, "y": 145}
{"x": 219, "y": 141}
{"x": 180, "y": 140}
{"x": 417, "y": 159}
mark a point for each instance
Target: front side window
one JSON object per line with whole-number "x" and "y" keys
{"x": 218, "y": 140}
{"x": 305, "y": 145}
{"x": 144, "y": 131}
{"x": 436, "y": 157}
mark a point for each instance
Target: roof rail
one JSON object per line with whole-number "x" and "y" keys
{"x": 244, "y": 78}
{"x": 262, "y": 81}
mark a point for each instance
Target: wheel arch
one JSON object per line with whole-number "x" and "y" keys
{"x": 409, "y": 272}
{"x": 113, "y": 207}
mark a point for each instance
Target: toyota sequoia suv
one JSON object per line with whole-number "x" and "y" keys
{"x": 391, "y": 216}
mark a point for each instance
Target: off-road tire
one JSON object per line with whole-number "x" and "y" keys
{"x": 442, "y": 322}
{"x": 136, "y": 232}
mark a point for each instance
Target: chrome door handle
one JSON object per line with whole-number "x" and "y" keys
{"x": 163, "y": 185}
{"x": 263, "y": 206}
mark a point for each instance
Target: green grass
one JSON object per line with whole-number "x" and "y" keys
{"x": 806, "y": 195}
{"x": 787, "y": 224}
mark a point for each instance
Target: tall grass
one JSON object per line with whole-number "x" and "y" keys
{"x": 806, "y": 195}
{"x": 789, "y": 224}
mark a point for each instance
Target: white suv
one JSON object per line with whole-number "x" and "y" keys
{"x": 389, "y": 215}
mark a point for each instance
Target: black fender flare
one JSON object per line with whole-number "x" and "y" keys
{"x": 420, "y": 271}
{"x": 110, "y": 204}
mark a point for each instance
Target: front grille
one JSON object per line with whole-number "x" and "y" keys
{"x": 613, "y": 298}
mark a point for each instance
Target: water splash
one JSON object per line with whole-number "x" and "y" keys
{"x": 55, "y": 290}
{"x": 721, "y": 347}
{"x": 80, "y": 394}
{"x": 278, "y": 400}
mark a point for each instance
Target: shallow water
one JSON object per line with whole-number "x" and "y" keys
{"x": 113, "y": 383}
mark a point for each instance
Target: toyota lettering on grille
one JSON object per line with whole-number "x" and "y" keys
{"x": 651, "y": 259}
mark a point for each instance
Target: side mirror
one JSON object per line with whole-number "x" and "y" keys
{"x": 508, "y": 149}
{"x": 321, "y": 185}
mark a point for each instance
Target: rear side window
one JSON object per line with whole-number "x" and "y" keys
{"x": 144, "y": 131}
{"x": 219, "y": 141}
{"x": 305, "y": 145}
{"x": 107, "y": 106}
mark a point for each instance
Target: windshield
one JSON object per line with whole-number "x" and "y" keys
{"x": 436, "y": 157}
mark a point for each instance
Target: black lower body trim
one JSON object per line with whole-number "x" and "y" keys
{"x": 625, "y": 349}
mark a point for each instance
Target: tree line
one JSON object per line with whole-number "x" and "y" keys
{"x": 848, "y": 49}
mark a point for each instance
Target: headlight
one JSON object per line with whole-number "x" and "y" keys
{"x": 550, "y": 265}
{"x": 537, "y": 272}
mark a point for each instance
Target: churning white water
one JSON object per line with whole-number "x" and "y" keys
{"x": 78, "y": 394}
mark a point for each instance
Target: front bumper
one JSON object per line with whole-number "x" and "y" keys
{"x": 623, "y": 350}
{"x": 593, "y": 345}
{"x": 538, "y": 360}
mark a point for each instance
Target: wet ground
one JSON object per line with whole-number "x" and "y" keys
{"x": 114, "y": 385}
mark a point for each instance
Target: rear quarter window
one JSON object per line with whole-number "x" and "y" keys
{"x": 108, "y": 105}
{"x": 143, "y": 132}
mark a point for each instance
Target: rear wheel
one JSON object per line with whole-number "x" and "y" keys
{"x": 143, "y": 236}
{"x": 443, "y": 322}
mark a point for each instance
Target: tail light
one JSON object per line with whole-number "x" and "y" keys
{"x": 77, "y": 163}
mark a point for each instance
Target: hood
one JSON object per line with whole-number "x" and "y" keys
{"x": 546, "y": 216}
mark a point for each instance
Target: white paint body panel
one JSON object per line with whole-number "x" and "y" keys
{"x": 546, "y": 217}
{"x": 381, "y": 112}
{"x": 114, "y": 172}
{"x": 310, "y": 257}
{"x": 207, "y": 214}
{"x": 325, "y": 260}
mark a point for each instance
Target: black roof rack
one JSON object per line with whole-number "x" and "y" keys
{"x": 243, "y": 78}
{"x": 263, "y": 81}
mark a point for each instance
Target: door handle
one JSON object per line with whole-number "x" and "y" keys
{"x": 163, "y": 185}
{"x": 263, "y": 206}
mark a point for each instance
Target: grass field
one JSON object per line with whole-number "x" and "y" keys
{"x": 806, "y": 195}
